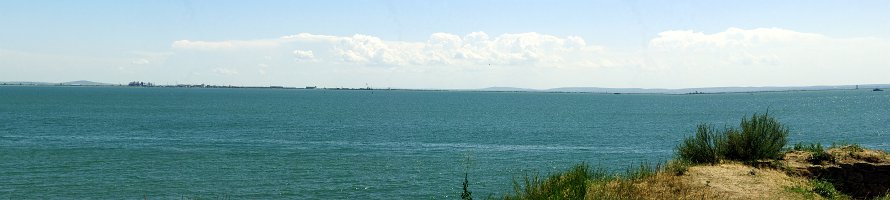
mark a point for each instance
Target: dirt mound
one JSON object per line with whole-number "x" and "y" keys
{"x": 738, "y": 181}
{"x": 859, "y": 172}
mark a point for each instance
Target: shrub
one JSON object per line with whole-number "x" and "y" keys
{"x": 761, "y": 137}
{"x": 700, "y": 148}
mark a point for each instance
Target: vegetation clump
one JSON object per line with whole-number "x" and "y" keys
{"x": 641, "y": 182}
{"x": 760, "y": 137}
{"x": 466, "y": 194}
{"x": 571, "y": 184}
{"x": 825, "y": 189}
{"x": 821, "y": 188}
{"x": 701, "y": 148}
{"x": 818, "y": 154}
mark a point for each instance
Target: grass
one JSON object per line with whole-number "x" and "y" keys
{"x": 647, "y": 182}
{"x": 818, "y": 187}
{"x": 577, "y": 182}
{"x": 571, "y": 184}
{"x": 644, "y": 170}
{"x": 803, "y": 191}
{"x": 466, "y": 194}
{"x": 657, "y": 186}
{"x": 818, "y": 156}
{"x": 643, "y": 181}
{"x": 758, "y": 139}
{"x": 825, "y": 189}
{"x": 840, "y": 144}
{"x": 678, "y": 167}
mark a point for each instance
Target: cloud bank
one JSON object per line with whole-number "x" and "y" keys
{"x": 671, "y": 59}
{"x": 441, "y": 49}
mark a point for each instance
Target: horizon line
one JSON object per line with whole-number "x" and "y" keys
{"x": 490, "y": 88}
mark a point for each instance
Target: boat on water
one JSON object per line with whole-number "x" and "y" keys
{"x": 877, "y": 90}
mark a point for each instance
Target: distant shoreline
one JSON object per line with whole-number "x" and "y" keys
{"x": 586, "y": 90}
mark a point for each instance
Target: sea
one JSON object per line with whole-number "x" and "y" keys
{"x": 222, "y": 143}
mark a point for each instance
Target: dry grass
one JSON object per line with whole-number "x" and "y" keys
{"x": 722, "y": 181}
{"x": 732, "y": 180}
{"x": 737, "y": 181}
{"x": 854, "y": 154}
{"x": 796, "y": 161}
{"x": 660, "y": 186}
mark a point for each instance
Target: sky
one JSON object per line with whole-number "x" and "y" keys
{"x": 448, "y": 44}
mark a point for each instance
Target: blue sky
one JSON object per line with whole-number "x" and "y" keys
{"x": 448, "y": 44}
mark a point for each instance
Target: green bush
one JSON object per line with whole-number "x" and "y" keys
{"x": 761, "y": 137}
{"x": 700, "y": 148}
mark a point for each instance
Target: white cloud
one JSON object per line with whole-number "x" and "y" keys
{"x": 262, "y": 68}
{"x": 476, "y": 48}
{"x": 473, "y": 49}
{"x": 675, "y": 58}
{"x": 768, "y": 56}
{"x": 731, "y": 38}
{"x": 225, "y": 71}
{"x": 303, "y": 55}
{"x": 141, "y": 61}
{"x": 223, "y": 45}
{"x": 734, "y": 46}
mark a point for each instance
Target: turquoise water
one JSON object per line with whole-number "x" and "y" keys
{"x": 117, "y": 142}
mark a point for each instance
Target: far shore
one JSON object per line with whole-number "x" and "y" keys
{"x": 590, "y": 90}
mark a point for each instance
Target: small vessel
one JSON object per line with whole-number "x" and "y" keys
{"x": 877, "y": 90}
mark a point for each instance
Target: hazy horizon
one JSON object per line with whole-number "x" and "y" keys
{"x": 449, "y": 44}
{"x": 573, "y": 89}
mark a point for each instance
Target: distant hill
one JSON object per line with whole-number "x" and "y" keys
{"x": 572, "y": 89}
{"x": 506, "y": 89}
{"x": 685, "y": 90}
{"x": 70, "y": 83}
{"x": 84, "y": 82}
{"x": 696, "y": 90}
{"x": 25, "y": 83}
